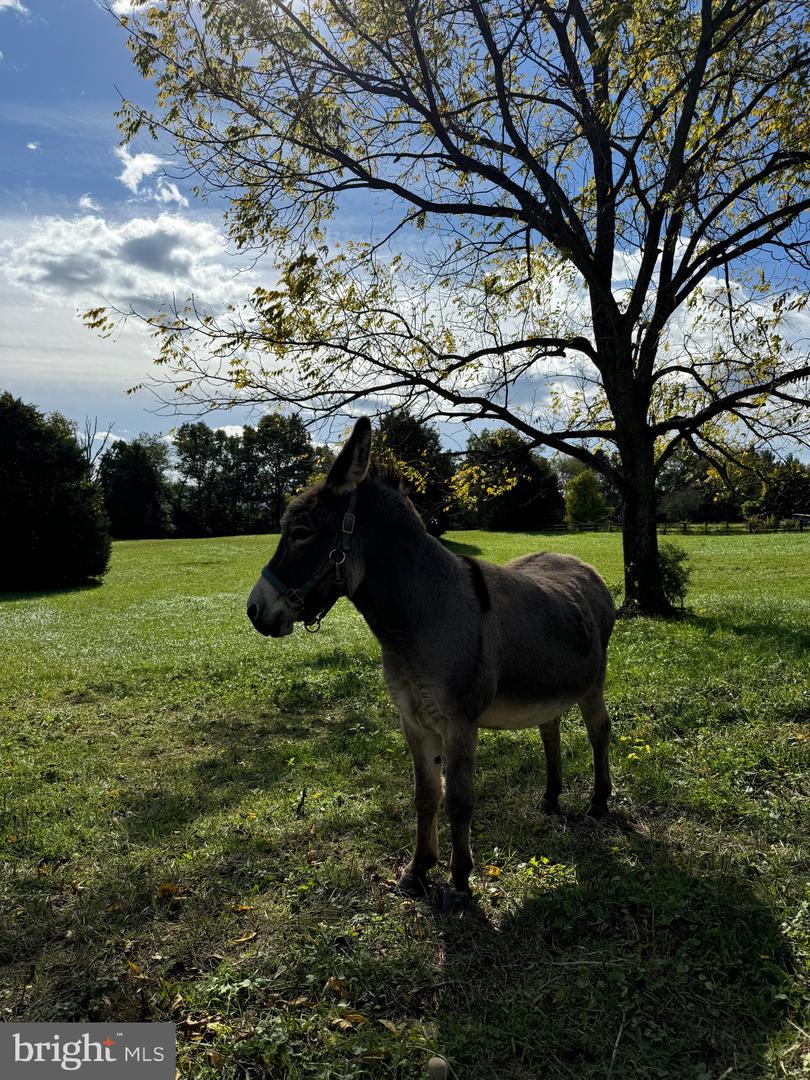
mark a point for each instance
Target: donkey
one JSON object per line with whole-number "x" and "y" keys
{"x": 465, "y": 644}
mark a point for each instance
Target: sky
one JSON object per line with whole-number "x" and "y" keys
{"x": 84, "y": 221}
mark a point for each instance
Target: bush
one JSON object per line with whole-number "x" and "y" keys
{"x": 675, "y": 572}
{"x": 55, "y": 530}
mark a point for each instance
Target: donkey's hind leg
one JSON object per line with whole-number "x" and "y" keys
{"x": 595, "y": 714}
{"x": 550, "y": 733}
{"x": 426, "y": 748}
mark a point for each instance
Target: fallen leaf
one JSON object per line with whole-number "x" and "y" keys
{"x": 135, "y": 969}
{"x": 493, "y": 871}
{"x": 249, "y": 936}
{"x": 389, "y": 1025}
{"x": 167, "y": 889}
{"x": 241, "y": 907}
{"x": 338, "y": 988}
{"x": 176, "y": 1002}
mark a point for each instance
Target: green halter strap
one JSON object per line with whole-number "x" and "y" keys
{"x": 295, "y": 595}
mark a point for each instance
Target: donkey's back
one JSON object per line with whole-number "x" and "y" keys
{"x": 549, "y": 628}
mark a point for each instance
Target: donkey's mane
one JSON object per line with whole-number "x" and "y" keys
{"x": 386, "y": 486}
{"x": 386, "y": 472}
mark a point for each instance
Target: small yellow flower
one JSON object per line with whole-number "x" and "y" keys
{"x": 493, "y": 871}
{"x": 633, "y": 757}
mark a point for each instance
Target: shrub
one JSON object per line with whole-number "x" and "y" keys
{"x": 55, "y": 530}
{"x": 675, "y": 572}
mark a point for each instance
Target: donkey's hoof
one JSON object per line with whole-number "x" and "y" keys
{"x": 596, "y": 811}
{"x": 454, "y": 900}
{"x": 414, "y": 887}
{"x": 552, "y": 807}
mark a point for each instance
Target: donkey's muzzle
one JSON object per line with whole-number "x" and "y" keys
{"x": 276, "y": 624}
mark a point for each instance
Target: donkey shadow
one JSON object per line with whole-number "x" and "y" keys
{"x": 626, "y": 959}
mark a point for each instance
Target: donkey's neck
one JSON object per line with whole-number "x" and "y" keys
{"x": 407, "y": 574}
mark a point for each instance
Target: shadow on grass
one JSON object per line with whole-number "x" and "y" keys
{"x": 655, "y": 969}
{"x": 619, "y": 957}
{"x": 767, "y": 631}
{"x": 13, "y": 596}
{"x": 461, "y": 549}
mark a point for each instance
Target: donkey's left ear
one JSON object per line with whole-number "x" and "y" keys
{"x": 351, "y": 464}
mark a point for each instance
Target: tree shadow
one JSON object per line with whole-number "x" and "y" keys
{"x": 15, "y": 595}
{"x": 770, "y": 630}
{"x": 461, "y": 549}
{"x": 625, "y": 959}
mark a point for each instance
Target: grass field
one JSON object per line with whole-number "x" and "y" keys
{"x": 200, "y": 825}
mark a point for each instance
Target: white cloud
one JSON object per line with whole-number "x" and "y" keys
{"x": 108, "y": 436}
{"x": 136, "y": 167}
{"x": 2, "y": 56}
{"x": 130, "y": 7}
{"x": 86, "y": 202}
{"x": 33, "y": 145}
{"x": 145, "y": 262}
{"x": 13, "y": 5}
{"x": 232, "y": 429}
{"x": 168, "y": 192}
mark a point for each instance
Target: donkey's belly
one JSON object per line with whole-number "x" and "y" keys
{"x": 503, "y": 713}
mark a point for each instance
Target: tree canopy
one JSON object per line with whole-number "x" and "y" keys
{"x": 598, "y": 223}
{"x": 54, "y": 528}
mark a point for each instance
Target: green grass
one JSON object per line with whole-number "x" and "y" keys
{"x": 203, "y": 826}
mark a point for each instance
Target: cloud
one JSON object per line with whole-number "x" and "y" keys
{"x": 145, "y": 262}
{"x": 2, "y": 56}
{"x": 168, "y": 192}
{"x": 131, "y": 7}
{"x": 33, "y": 145}
{"x": 136, "y": 167}
{"x": 13, "y": 5}
{"x": 232, "y": 429}
{"x": 86, "y": 202}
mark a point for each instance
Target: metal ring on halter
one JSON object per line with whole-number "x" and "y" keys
{"x": 337, "y": 557}
{"x": 314, "y": 626}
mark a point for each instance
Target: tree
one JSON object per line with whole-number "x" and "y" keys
{"x": 205, "y": 501}
{"x": 414, "y": 448}
{"x": 511, "y": 486}
{"x": 54, "y": 527}
{"x": 612, "y": 201}
{"x": 584, "y": 501}
{"x": 279, "y": 460}
{"x": 131, "y": 476}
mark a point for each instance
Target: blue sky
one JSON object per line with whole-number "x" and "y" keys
{"x": 83, "y": 220}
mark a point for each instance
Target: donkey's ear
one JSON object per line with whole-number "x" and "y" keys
{"x": 351, "y": 464}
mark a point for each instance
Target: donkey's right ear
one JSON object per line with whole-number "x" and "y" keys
{"x": 351, "y": 464}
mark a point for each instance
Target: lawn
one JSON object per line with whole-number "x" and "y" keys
{"x": 203, "y": 826}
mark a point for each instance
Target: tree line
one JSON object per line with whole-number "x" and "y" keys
{"x": 62, "y": 502}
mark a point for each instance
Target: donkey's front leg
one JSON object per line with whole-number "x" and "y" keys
{"x": 461, "y": 740}
{"x": 426, "y": 748}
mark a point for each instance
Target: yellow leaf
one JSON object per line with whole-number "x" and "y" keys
{"x": 493, "y": 871}
{"x": 135, "y": 969}
{"x": 389, "y": 1025}
{"x": 249, "y": 936}
{"x": 241, "y": 907}
{"x": 167, "y": 889}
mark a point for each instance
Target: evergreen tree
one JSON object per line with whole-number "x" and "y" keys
{"x": 54, "y": 528}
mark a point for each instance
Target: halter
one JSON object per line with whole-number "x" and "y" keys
{"x": 295, "y": 595}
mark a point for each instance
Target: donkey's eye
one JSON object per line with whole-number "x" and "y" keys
{"x": 300, "y": 532}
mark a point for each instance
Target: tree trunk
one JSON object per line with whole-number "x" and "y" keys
{"x": 643, "y": 579}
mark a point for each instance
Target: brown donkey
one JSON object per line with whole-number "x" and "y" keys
{"x": 465, "y": 644}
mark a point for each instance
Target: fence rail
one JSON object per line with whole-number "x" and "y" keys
{"x": 695, "y": 528}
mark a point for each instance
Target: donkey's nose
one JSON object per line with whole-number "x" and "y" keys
{"x": 253, "y": 612}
